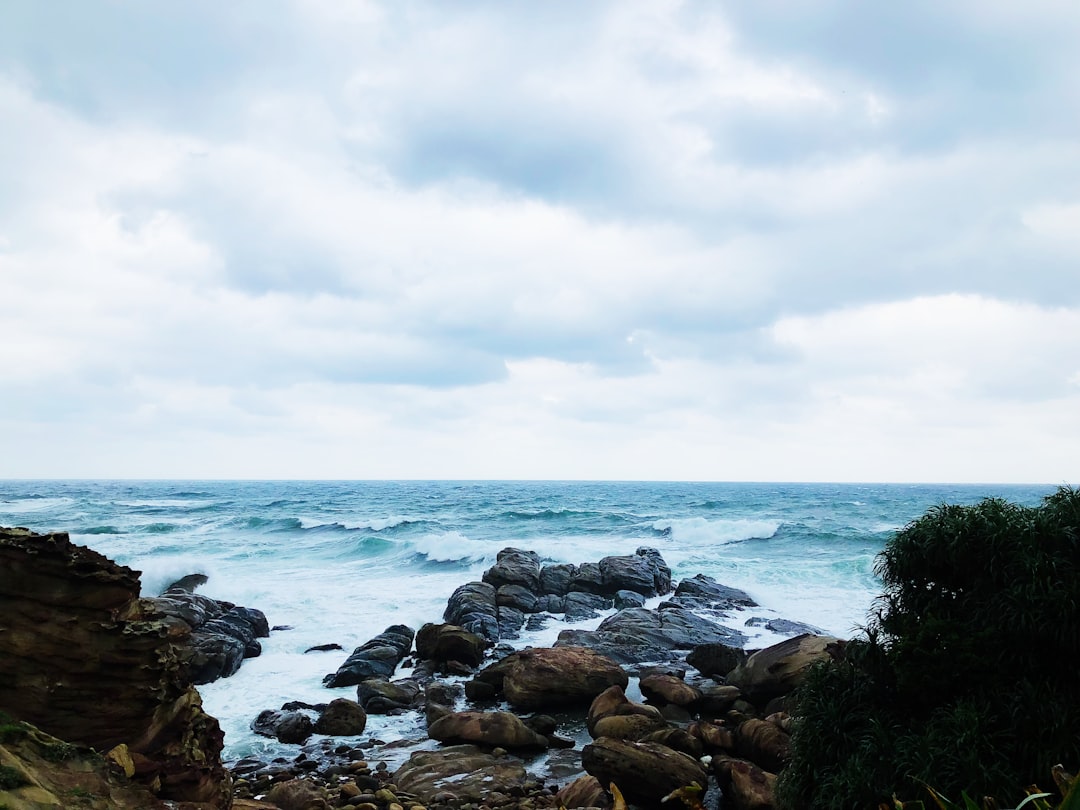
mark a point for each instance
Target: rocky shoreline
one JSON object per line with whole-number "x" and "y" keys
{"x": 653, "y": 701}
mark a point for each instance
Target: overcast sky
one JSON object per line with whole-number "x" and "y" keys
{"x": 770, "y": 240}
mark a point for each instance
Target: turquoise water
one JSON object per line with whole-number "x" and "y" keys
{"x": 339, "y": 561}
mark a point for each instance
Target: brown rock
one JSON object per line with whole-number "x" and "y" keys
{"x": 778, "y": 669}
{"x": 548, "y": 677}
{"x": 490, "y": 728}
{"x": 448, "y": 642}
{"x": 612, "y": 714}
{"x": 664, "y": 689}
{"x": 297, "y": 794}
{"x": 713, "y": 737}
{"x": 745, "y": 785}
{"x": 463, "y": 772}
{"x": 645, "y": 772}
{"x": 764, "y": 744}
{"x": 85, "y": 660}
{"x": 341, "y": 718}
{"x": 585, "y": 791}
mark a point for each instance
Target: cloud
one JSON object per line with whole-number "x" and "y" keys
{"x": 635, "y": 239}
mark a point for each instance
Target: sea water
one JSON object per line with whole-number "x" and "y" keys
{"x": 339, "y": 561}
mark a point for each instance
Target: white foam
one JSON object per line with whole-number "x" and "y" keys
{"x": 454, "y": 546}
{"x": 701, "y": 531}
{"x": 18, "y": 506}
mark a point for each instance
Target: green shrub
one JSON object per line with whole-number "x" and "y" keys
{"x": 966, "y": 678}
{"x": 11, "y": 778}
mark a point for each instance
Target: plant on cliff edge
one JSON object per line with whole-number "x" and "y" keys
{"x": 966, "y": 678}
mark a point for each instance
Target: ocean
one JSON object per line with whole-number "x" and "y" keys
{"x": 339, "y": 561}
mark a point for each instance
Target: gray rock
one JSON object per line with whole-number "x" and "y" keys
{"x": 515, "y": 566}
{"x": 556, "y": 579}
{"x": 474, "y": 608}
{"x": 579, "y": 606}
{"x": 628, "y": 599}
{"x": 378, "y": 658}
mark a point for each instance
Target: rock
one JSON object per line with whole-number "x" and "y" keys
{"x": 587, "y": 578}
{"x": 719, "y": 597}
{"x": 715, "y": 659}
{"x": 645, "y": 772}
{"x": 518, "y": 597}
{"x": 636, "y": 635}
{"x": 550, "y": 677}
{"x": 489, "y": 728}
{"x": 745, "y": 785}
{"x": 323, "y": 648}
{"x": 579, "y": 605}
{"x": 448, "y": 642}
{"x": 612, "y": 714}
{"x": 764, "y": 744}
{"x": 717, "y": 698}
{"x": 784, "y": 626}
{"x": 378, "y": 696}
{"x": 628, "y": 599}
{"x": 556, "y": 579}
{"x": 473, "y": 607}
{"x": 778, "y": 669}
{"x": 85, "y": 660}
{"x": 678, "y": 738}
{"x": 511, "y": 620}
{"x": 515, "y": 566}
{"x": 664, "y": 689}
{"x": 713, "y": 738}
{"x": 213, "y": 656}
{"x": 463, "y": 772}
{"x": 341, "y": 718}
{"x": 644, "y": 572}
{"x": 585, "y": 791}
{"x": 377, "y": 658}
{"x": 297, "y": 794}
{"x": 291, "y": 727}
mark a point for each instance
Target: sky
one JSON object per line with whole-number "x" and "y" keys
{"x": 809, "y": 240}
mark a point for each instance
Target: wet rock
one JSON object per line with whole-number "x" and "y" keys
{"x": 579, "y": 605}
{"x": 664, "y": 689}
{"x": 778, "y": 669}
{"x": 628, "y": 599}
{"x": 448, "y": 642}
{"x": 323, "y": 648}
{"x": 587, "y": 578}
{"x": 511, "y": 620}
{"x": 645, "y": 772}
{"x": 341, "y": 718}
{"x": 518, "y": 597}
{"x": 716, "y": 659}
{"x": 678, "y": 738}
{"x": 705, "y": 589}
{"x": 745, "y": 785}
{"x": 556, "y": 579}
{"x": 612, "y": 714}
{"x": 461, "y": 773}
{"x": 763, "y": 743}
{"x": 585, "y": 791}
{"x": 473, "y": 607}
{"x": 213, "y": 656}
{"x": 489, "y": 728}
{"x": 378, "y": 696}
{"x": 550, "y": 677}
{"x": 378, "y": 658}
{"x": 785, "y": 627}
{"x": 515, "y": 566}
{"x": 297, "y": 794}
{"x": 644, "y": 572}
{"x": 291, "y": 727}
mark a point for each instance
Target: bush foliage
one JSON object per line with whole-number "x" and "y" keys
{"x": 966, "y": 677}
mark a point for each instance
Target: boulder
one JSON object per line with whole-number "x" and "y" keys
{"x": 549, "y": 677}
{"x": 763, "y": 743}
{"x": 585, "y": 791}
{"x": 713, "y": 738}
{"x": 644, "y": 572}
{"x": 645, "y": 772}
{"x": 715, "y": 659}
{"x": 515, "y": 566}
{"x": 745, "y": 785}
{"x": 578, "y": 605}
{"x": 636, "y": 635}
{"x": 379, "y": 696}
{"x": 678, "y": 738}
{"x": 377, "y": 658}
{"x": 463, "y": 772}
{"x": 341, "y": 718}
{"x": 448, "y": 642}
{"x": 298, "y": 794}
{"x": 665, "y": 689}
{"x": 707, "y": 590}
{"x": 286, "y": 726}
{"x": 778, "y": 669}
{"x": 628, "y": 599}
{"x": 213, "y": 656}
{"x": 612, "y": 714}
{"x": 785, "y": 627}
{"x": 511, "y": 620}
{"x": 587, "y": 578}
{"x": 85, "y": 660}
{"x": 473, "y": 607}
{"x": 501, "y": 729}
{"x": 518, "y": 597}
{"x": 556, "y": 579}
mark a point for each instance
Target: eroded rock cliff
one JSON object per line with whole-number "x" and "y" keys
{"x": 84, "y": 659}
